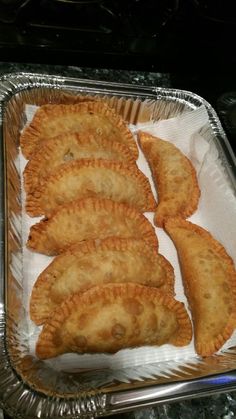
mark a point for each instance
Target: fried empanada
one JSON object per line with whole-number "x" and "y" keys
{"x": 92, "y": 178}
{"x": 111, "y": 317}
{"x": 175, "y": 178}
{"x": 210, "y": 283}
{"x": 71, "y": 146}
{"x": 97, "y": 263}
{"x": 86, "y": 219}
{"x": 93, "y": 117}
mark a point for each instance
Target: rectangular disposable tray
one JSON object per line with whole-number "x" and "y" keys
{"x": 29, "y": 387}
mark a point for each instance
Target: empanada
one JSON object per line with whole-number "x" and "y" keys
{"x": 97, "y": 263}
{"x": 175, "y": 178}
{"x": 210, "y": 283}
{"x": 92, "y": 178}
{"x": 112, "y": 317}
{"x": 93, "y": 117}
{"x": 71, "y": 146}
{"x": 86, "y": 219}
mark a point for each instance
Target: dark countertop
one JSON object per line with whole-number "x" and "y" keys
{"x": 121, "y": 76}
{"x": 221, "y": 406}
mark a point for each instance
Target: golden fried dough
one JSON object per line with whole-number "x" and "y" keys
{"x": 112, "y": 317}
{"x": 93, "y": 117}
{"x": 92, "y": 178}
{"x": 97, "y": 263}
{"x": 86, "y": 219}
{"x": 210, "y": 283}
{"x": 71, "y": 146}
{"x": 175, "y": 178}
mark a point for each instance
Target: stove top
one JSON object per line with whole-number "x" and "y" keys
{"x": 163, "y": 35}
{"x": 68, "y": 17}
{"x": 80, "y": 30}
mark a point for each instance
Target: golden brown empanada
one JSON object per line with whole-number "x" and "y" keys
{"x": 210, "y": 283}
{"x": 86, "y": 219}
{"x": 175, "y": 178}
{"x": 97, "y": 263}
{"x": 71, "y": 146}
{"x": 92, "y": 178}
{"x": 94, "y": 117}
{"x": 112, "y": 317}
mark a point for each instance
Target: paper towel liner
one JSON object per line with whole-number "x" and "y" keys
{"x": 216, "y": 212}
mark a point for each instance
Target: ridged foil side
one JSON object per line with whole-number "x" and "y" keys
{"x": 31, "y": 388}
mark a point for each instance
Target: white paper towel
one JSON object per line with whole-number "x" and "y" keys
{"x": 216, "y": 212}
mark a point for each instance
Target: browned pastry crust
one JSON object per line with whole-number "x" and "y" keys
{"x": 94, "y": 263}
{"x": 210, "y": 283}
{"x": 112, "y": 317}
{"x": 94, "y": 117}
{"x": 86, "y": 219}
{"x": 71, "y": 146}
{"x": 92, "y": 178}
{"x": 174, "y": 176}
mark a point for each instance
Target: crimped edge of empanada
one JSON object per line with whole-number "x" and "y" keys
{"x": 210, "y": 348}
{"x": 44, "y": 282}
{"x": 31, "y": 134}
{"x": 192, "y": 205}
{"x": 182, "y": 337}
{"x": 38, "y": 230}
{"x": 34, "y": 207}
{"x": 42, "y": 154}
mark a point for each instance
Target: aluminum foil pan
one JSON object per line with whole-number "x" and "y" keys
{"x": 32, "y": 388}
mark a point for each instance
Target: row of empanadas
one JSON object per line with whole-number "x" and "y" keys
{"x": 112, "y": 242}
{"x": 122, "y": 246}
{"x": 95, "y": 263}
{"x": 208, "y": 272}
{"x": 111, "y": 317}
{"x": 93, "y": 117}
{"x": 92, "y": 178}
